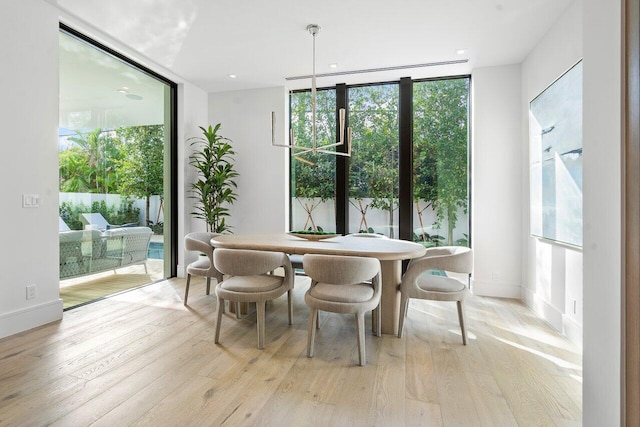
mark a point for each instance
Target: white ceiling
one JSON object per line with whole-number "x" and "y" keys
{"x": 262, "y": 42}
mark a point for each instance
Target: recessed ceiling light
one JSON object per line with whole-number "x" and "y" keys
{"x": 334, "y": 65}
{"x": 232, "y": 76}
{"x": 124, "y": 90}
{"x": 461, "y": 51}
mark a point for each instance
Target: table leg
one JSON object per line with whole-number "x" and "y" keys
{"x": 390, "y": 302}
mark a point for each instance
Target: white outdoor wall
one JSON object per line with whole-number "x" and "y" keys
{"x": 496, "y": 211}
{"x": 552, "y": 273}
{"x": 262, "y": 204}
{"x": 602, "y": 213}
{"x": 29, "y": 112}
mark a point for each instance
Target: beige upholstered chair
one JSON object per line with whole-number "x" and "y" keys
{"x": 368, "y": 235}
{"x": 201, "y": 242}
{"x": 339, "y": 285}
{"x": 249, "y": 281}
{"x": 418, "y": 283}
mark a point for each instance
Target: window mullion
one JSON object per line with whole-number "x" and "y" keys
{"x": 342, "y": 164}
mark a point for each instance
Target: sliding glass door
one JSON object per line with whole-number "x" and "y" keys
{"x": 116, "y": 139}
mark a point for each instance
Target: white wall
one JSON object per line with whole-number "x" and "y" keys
{"x": 553, "y": 273}
{"x": 192, "y": 113}
{"x": 262, "y": 205}
{"x": 496, "y": 209}
{"x": 602, "y": 213}
{"x": 29, "y": 114}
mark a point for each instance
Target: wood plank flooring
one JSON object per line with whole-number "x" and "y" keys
{"x": 141, "y": 358}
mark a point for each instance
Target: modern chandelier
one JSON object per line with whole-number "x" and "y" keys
{"x": 344, "y": 134}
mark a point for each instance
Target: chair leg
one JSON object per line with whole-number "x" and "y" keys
{"x": 290, "y": 304}
{"x": 317, "y": 319}
{"x": 374, "y": 320}
{"x": 208, "y": 285}
{"x": 360, "y": 328}
{"x": 238, "y": 316}
{"x": 404, "y": 305}
{"x": 311, "y": 335}
{"x": 186, "y": 289}
{"x": 260, "y": 310}
{"x": 463, "y": 329}
{"x": 378, "y": 314}
{"x": 220, "y": 309}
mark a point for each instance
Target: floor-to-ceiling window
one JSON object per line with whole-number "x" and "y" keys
{"x": 434, "y": 167}
{"x": 116, "y": 144}
{"x": 441, "y": 161}
{"x": 373, "y": 166}
{"x": 313, "y": 175}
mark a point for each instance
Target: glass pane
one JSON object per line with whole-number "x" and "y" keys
{"x": 373, "y": 173}
{"x": 440, "y": 162}
{"x": 113, "y": 138}
{"x": 313, "y": 175}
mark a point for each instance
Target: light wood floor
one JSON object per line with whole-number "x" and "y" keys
{"x": 142, "y": 358}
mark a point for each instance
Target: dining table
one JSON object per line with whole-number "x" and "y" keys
{"x": 390, "y": 253}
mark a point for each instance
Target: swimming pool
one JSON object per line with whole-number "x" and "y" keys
{"x": 156, "y": 250}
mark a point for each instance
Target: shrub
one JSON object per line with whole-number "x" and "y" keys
{"x": 125, "y": 214}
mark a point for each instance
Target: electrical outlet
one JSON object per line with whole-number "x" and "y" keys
{"x": 495, "y": 276}
{"x": 31, "y": 291}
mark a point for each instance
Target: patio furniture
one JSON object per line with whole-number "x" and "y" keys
{"x": 62, "y": 226}
{"x": 417, "y": 282}
{"x": 249, "y": 280}
{"x": 85, "y": 252}
{"x": 340, "y": 284}
{"x": 95, "y": 220}
{"x": 203, "y": 266}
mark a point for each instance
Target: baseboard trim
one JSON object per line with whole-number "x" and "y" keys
{"x": 544, "y": 310}
{"x": 498, "y": 290}
{"x": 30, "y": 317}
{"x": 572, "y": 330}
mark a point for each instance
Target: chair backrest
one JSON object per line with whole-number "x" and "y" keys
{"x": 456, "y": 259}
{"x": 94, "y": 219}
{"x": 199, "y": 241}
{"x": 242, "y": 262}
{"x": 62, "y": 226}
{"x": 368, "y": 235}
{"x": 340, "y": 270}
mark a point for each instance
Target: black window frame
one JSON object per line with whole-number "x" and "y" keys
{"x": 173, "y": 144}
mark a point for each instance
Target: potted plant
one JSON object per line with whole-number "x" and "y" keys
{"x": 214, "y": 189}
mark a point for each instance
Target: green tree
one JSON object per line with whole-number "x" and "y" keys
{"x": 313, "y": 174}
{"x": 98, "y": 150}
{"x": 141, "y": 164}
{"x": 74, "y": 171}
{"x": 373, "y": 117}
{"x": 440, "y": 138}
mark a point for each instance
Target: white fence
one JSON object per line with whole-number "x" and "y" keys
{"x": 324, "y": 216}
{"x": 115, "y": 200}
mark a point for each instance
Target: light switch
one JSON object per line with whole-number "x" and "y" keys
{"x": 30, "y": 200}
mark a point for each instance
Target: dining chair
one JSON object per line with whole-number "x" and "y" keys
{"x": 250, "y": 279}
{"x": 368, "y": 235}
{"x": 421, "y": 280}
{"x": 340, "y": 284}
{"x": 203, "y": 266}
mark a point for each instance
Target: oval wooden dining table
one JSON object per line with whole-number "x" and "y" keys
{"x": 390, "y": 252}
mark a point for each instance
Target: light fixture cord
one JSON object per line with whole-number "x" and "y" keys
{"x": 313, "y": 94}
